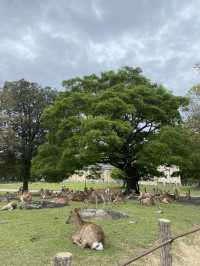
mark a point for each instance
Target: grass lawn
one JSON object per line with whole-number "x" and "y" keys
{"x": 57, "y": 186}
{"x": 33, "y": 237}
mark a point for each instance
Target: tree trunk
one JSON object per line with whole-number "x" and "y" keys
{"x": 25, "y": 186}
{"x": 132, "y": 181}
{"x": 26, "y": 175}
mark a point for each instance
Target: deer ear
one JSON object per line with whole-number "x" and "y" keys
{"x": 77, "y": 209}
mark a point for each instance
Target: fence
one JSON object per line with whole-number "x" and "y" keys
{"x": 165, "y": 246}
{"x": 65, "y": 258}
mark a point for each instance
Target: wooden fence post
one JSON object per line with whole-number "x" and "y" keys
{"x": 165, "y": 234}
{"x": 62, "y": 259}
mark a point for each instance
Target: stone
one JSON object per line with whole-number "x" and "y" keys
{"x": 102, "y": 214}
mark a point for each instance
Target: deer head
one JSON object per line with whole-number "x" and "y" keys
{"x": 74, "y": 217}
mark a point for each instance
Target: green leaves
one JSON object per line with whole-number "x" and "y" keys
{"x": 109, "y": 119}
{"x": 23, "y": 103}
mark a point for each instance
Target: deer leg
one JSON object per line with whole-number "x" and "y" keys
{"x": 76, "y": 239}
{"x": 77, "y": 243}
{"x": 84, "y": 244}
{"x": 103, "y": 199}
{"x": 96, "y": 200}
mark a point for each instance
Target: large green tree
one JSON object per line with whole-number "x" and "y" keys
{"x": 105, "y": 119}
{"x": 22, "y": 103}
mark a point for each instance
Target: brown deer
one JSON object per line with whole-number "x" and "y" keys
{"x": 147, "y": 202}
{"x": 87, "y": 234}
{"x": 26, "y": 197}
{"x": 61, "y": 200}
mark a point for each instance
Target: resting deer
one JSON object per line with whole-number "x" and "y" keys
{"x": 87, "y": 234}
{"x": 10, "y": 206}
{"x": 147, "y": 202}
{"x": 26, "y": 197}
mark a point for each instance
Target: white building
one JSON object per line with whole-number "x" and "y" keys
{"x": 166, "y": 178}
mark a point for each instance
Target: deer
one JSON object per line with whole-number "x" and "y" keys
{"x": 87, "y": 234}
{"x": 61, "y": 200}
{"x": 147, "y": 201}
{"x": 10, "y": 206}
{"x": 26, "y": 197}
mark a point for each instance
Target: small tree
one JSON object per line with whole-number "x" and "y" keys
{"x": 22, "y": 103}
{"x": 106, "y": 119}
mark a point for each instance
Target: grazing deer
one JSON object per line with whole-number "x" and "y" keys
{"x": 87, "y": 234}
{"x": 10, "y": 206}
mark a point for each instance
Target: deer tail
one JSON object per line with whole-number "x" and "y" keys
{"x": 97, "y": 246}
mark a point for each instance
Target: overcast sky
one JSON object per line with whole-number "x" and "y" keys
{"x": 48, "y": 41}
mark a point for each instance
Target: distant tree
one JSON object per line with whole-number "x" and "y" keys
{"x": 106, "y": 119}
{"x": 178, "y": 146}
{"x": 22, "y": 103}
{"x": 192, "y": 114}
{"x": 191, "y": 169}
{"x": 9, "y": 163}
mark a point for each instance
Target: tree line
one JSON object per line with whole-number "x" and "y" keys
{"x": 120, "y": 118}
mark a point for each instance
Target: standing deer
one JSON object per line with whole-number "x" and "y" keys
{"x": 87, "y": 234}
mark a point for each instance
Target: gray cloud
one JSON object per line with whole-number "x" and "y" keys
{"x": 48, "y": 41}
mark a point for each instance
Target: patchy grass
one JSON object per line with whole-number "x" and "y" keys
{"x": 33, "y": 237}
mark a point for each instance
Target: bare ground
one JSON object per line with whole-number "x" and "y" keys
{"x": 185, "y": 252}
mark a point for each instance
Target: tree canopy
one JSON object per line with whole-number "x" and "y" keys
{"x": 106, "y": 119}
{"x": 22, "y": 104}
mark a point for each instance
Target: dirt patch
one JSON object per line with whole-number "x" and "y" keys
{"x": 42, "y": 204}
{"x": 185, "y": 252}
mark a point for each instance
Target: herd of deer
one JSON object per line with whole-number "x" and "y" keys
{"x": 89, "y": 234}
{"x": 156, "y": 197}
{"x": 87, "y": 195}
{"x": 95, "y": 196}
